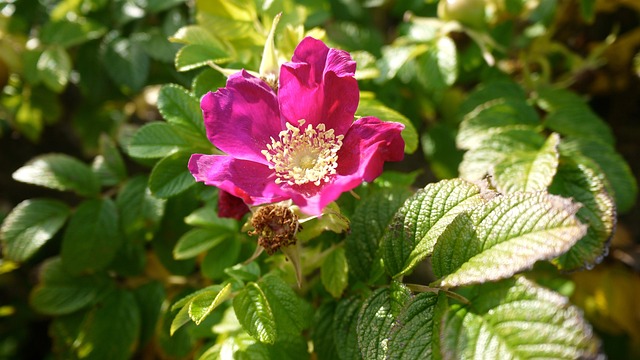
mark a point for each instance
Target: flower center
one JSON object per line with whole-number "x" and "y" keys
{"x": 304, "y": 155}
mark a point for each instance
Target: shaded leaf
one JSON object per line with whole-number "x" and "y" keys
{"x": 68, "y": 33}
{"x": 345, "y": 322}
{"x": 415, "y": 328}
{"x": 334, "y": 272}
{"x": 59, "y": 172}
{"x": 125, "y": 61}
{"x": 372, "y": 107}
{"x": 29, "y": 226}
{"x": 156, "y": 140}
{"x": 171, "y": 176}
{"x": 197, "y": 241}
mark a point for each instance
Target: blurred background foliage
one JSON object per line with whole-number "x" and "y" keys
{"x": 80, "y": 77}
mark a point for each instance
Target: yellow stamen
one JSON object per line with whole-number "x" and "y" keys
{"x": 304, "y": 155}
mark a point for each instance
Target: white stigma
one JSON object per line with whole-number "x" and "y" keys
{"x": 304, "y": 155}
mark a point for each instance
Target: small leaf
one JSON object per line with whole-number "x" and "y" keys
{"x": 29, "y": 226}
{"x": 598, "y": 211}
{"x": 194, "y": 56}
{"x": 197, "y": 241}
{"x": 184, "y": 301}
{"x": 140, "y": 211}
{"x": 109, "y": 165}
{"x": 59, "y": 172}
{"x": 334, "y": 272}
{"x": 60, "y": 293}
{"x": 372, "y": 107}
{"x": 203, "y": 304}
{"x": 254, "y": 313}
{"x": 369, "y": 222}
{"x": 171, "y": 176}
{"x": 181, "y": 319}
{"x": 345, "y": 322}
{"x": 68, "y": 33}
{"x": 506, "y": 235}
{"x": 125, "y": 61}
{"x": 423, "y": 217}
{"x": 54, "y": 67}
{"x": 92, "y": 237}
{"x": 412, "y": 333}
{"x": 516, "y": 319}
{"x": 178, "y": 106}
{"x": 156, "y": 140}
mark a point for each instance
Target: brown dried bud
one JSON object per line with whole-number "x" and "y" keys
{"x": 276, "y": 226}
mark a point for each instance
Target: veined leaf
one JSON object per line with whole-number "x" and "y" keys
{"x": 178, "y": 106}
{"x": 324, "y": 343}
{"x": 197, "y": 241}
{"x": 203, "y": 304}
{"x": 516, "y": 319}
{"x": 437, "y": 68}
{"x": 415, "y": 329}
{"x": 345, "y": 322}
{"x": 368, "y": 224}
{"x": 598, "y": 211}
{"x": 566, "y": 109}
{"x": 292, "y": 314}
{"x": 195, "y": 35}
{"x": 254, "y": 313}
{"x": 192, "y": 57}
{"x": 334, "y": 272}
{"x": 68, "y": 33}
{"x": 92, "y": 237}
{"x": 423, "y": 217}
{"x": 372, "y": 107}
{"x": 60, "y": 293}
{"x": 125, "y": 61}
{"x": 59, "y": 172}
{"x": 29, "y": 226}
{"x": 109, "y": 165}
{"x": 508, "y": 145}
{"x": 506, "y": 235}
{"x": 140, "y": 211}
{"x": 508, "y": 90}
{"x": 171, "y": 176}
{"x": 530, "y": 171}
{"x": 495, "y": 117}
{"x": 601, "y": 158}
{"x": 184, "y": 301}
{"x": 156, "y": 140}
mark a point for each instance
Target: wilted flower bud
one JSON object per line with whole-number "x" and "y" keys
{"x": 276, "y": 226}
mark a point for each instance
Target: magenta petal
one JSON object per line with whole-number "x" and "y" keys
{"x": 319, "y": 86}
{"x": 241, "y": 118}
{"x": 252, "y": 182}
{"x": 368, "y": 144}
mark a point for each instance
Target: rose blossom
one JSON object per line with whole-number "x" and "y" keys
{"x": 299, "y": 142}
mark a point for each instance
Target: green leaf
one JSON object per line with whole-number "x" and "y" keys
{"x": 375, "y": 319}
{"x": 508, "y": 146}
{"x": 602, "y": 158}
{"x": 68, "y": 33}
{"x": 345, "y": 322}
{"x": 322, "y": 334}
{"x": 156, "y": 140}
{"x": 197, "y": 241}
{"x": 109, "y": 165}
{"x": 125, "y": 61}
{"x": 254, "y": 313}
{"x": 505, "y": 89}
{"x": 528, "y": 171}
{"x": 219, "y": 258}
{"x": 171, "y": 176}
{"x": 60, "y": 292}
{"x": 154, "y": 6}
{"x": 181, "y": 319}
{"x": 195, "y": 35}
{"x": 116, "y": 319}
{"x": 369, "y": 223}
{"x": 437, "y": 68}
{"x": 184, "y": 301}
{"x": 29, "y": 226}
{"x": 59, "y": 172}
{"x": 292, "y": 314}
{"x": 416, "y": 227}
{"x": 598, "y": 211}
{"x": 149, "y": 298}
{"x": 178, "y": 106}
{"x": 372, "y": 107}
{"x": 494, "y": 117}
{"x": 516, "y": 319}
{"x": 412, "y": 334}
{"x": 334, "y": 272}
{"x": 570, "y": 115}
{"x": 140, "y": 211}
{"x": 54, "y": 67}
{"x": 203, "y": 304}
{"x": 92, "y": 237}
{"x": 194, "y": 56}
{"x": 505, "y": 235}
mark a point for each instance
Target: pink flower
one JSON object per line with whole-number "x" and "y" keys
{"x": 300, "y": 143}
